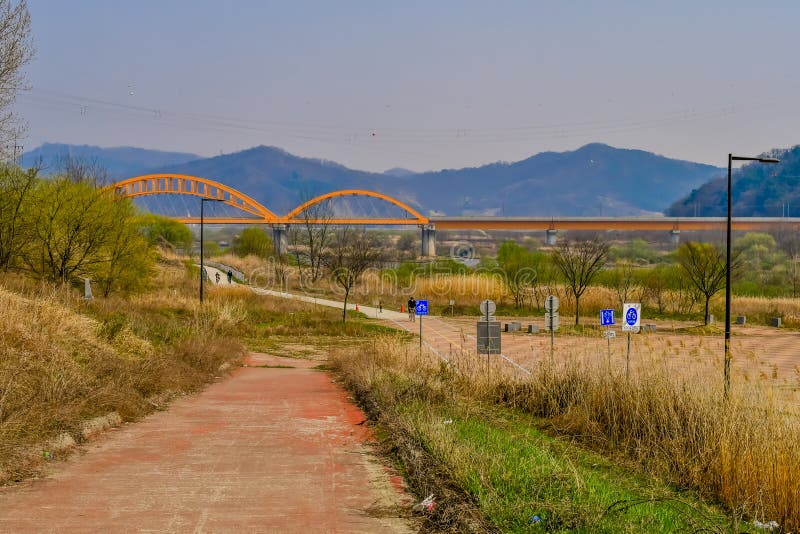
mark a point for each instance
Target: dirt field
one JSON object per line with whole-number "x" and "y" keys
{"x": 759, "y": 353}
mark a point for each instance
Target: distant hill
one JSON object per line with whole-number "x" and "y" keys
{"x": 120, "y": 162}
{"x": 277, "y": 179}
{"x": 759, "y": 190}
{"x": 399, "y": 172}
{"x": 593, "y": 180}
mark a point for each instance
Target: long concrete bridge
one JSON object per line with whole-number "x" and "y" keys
{"x": 255, "y": 213}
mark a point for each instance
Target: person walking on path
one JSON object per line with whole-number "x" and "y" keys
{"x": 216, "y": 275}
{"x": 412, "y": 309}
{"x": 230, "y": 277}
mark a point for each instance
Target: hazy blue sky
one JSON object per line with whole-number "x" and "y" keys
{"x": 417, "y": 84}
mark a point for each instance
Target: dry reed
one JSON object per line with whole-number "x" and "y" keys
{"x": 742, "y": 451}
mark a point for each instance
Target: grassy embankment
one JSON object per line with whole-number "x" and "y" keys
{"x": 496, "y": 440}
{"x": 70, "y": 367}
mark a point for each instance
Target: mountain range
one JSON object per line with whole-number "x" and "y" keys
{"x": 757, "y": 190}
{"x": 593, "y": 180}
{"x": 120, "y": 162}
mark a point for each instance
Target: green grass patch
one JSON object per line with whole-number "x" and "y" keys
{"x": 321, "y": 328}
{"x": 516, "y": 472}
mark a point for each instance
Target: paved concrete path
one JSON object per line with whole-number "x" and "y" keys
{"x": 223, "y": 276}
{"x": 445, "y": 339}
{"x": 369, "y": 311}
{"x": 265, "y": 450}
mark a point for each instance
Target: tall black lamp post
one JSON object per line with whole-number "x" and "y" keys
{"x": 731, "y": 159}
{"x": 202, "y": 269}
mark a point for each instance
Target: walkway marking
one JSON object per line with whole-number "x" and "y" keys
{"x": 424, "y": 342}
{"x": 389, "y": 313}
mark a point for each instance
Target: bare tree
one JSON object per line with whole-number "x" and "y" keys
{"x": 80, "y": 169}
{"x": 16, "y": 50}
{"x": 682, "y": 294}
{"x": 545, "y": 283}
{"x": 407, "y": 245}
{"x": 312, "y": 238}
{"x": 350, "y": 254}
{"x": 280, "y": 265}
{"x": 623, "y": 281}
{"x": 579, "y": 262}
{"x": 654, "y": 287}
{"x": 519, "y": 270}
{"x": 705, "y": 265}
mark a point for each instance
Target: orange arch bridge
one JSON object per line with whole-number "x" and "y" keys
{"x": 254, "y": 212}
{"x": 181, "y": 184}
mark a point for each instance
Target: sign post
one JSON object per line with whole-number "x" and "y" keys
{"x": 631, "y": 312}
{"x": 420, "y": 310}
{"x": 488, "y": 332}
{"x": 551, "y": 320}
{"x": 607, "y": 320}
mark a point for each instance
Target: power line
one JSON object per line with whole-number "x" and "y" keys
{"x": 339, "y": 133}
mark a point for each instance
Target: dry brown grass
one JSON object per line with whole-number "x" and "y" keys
{"x": 743, "y": 451}
{"x": 763, "y": 308}
{"x": 468, "y": 290}
{"x": 65, "y": 361}
{"x": 249, "y": 265}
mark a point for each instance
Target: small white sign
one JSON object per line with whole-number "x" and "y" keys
{"x": 610, "y": 334}
{"x": 631, "y": 317}
{"x": 488, "y": 308}
{"x": 551, "y": 303}
{"x": 547, "y": 321}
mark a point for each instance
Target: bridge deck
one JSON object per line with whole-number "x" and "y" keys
{"x": 611, "y": 223}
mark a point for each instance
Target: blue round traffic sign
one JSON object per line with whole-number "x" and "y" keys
{"x": 631, "y": 316}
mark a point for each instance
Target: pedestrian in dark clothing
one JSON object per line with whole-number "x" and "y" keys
{"x": 230, "y": 277}
{"x": 412, "y": 309}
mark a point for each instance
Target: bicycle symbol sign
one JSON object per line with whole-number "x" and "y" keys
{"x": 632, "y": 313}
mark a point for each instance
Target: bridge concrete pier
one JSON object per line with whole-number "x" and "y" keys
{"x": 280, "y": 238}
{"x": 552, "y": 236}
{"x": 675, "y": 236}
{"x": 428, "y": 240}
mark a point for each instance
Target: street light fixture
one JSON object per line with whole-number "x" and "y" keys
{"x": 727, "y": 372}
{"x": 202, "y": 269}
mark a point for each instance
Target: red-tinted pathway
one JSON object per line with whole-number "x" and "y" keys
{"x": 266, "y": 450}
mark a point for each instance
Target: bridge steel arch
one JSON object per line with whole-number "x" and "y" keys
{"x": 417, "y": 219}
{"x": 182, "y": 184}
